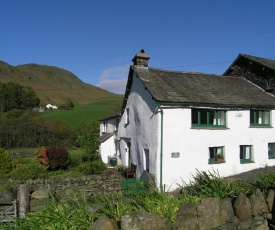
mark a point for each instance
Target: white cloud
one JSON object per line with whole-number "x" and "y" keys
{"x": 114, "y": 79}
{"x": 115, "y": 86}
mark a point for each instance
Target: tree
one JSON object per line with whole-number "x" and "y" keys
{"x": 88, "y": 139}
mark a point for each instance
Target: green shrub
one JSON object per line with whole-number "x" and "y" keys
{"x": 58, "y": 157}
{"x": 5, "y": 161}
{"x": 97, "y": 167}
{"x": 94, "y": 167}
{"x": 32, "y": 170}
{"x": 73, "y": 213}
{"x": 264, "y": 181}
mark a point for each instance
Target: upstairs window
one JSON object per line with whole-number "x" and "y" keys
{"x": 271, "y": 150}
{"x": 259, "y": 118}
{"x": 246, "y": 154}
{"x": 116, "y": 123}
{"x": 208, "y": 118}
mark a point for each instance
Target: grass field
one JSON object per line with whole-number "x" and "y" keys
{"x": 85, "y": 113}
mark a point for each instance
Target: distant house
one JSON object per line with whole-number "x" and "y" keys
{"x": 260, "y": 71}
{"x": 49, "y": 106}
{"x": 175, "y": 122}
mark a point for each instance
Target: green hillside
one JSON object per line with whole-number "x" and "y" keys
{"x": 52, "y": 84}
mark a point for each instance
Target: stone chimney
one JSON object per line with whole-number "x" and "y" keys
{"x": 141, "y": 59}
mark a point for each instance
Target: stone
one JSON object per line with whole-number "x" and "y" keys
{"x": 104, "y": 223}
{"x": 270, "y": 199}
{"x": 40, "y": 194}
{"x": 209, "y": 219}
{"x": 138, "y": 220}
{"x": 186, "y": 218}
{"x": 242, "y": 207}
{"x": 227, "y": 213}
{"x": 258, "y": 204}
{"x": 7, "y": 195}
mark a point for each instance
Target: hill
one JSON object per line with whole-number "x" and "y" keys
{"x": 52, "y": 84}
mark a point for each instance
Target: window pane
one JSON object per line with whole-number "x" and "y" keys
{"x": 212, "y": 117}
{"x": 271, "y": 148}
{"x": 252, "y": 117}
{"x": 195, "y": 114}
{"x": 242, "y": 152}
{"x": 247, "y": 152}
{"x": 203, "y": 117}
{"x": 266, "y": 117}
{"x": 211, "y": 153}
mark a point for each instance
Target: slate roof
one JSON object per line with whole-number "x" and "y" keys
{"x": 104, "y": 137}
{"x": 262, "y": 61}
{"x": 199, "y": 89}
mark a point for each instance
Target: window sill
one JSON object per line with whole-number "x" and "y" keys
{"x": 261, "y": 126}
{"x": 210, "y": 128}
{"x": 247, "y": 162}
{"x": 271, "y": 157}
{"x": 215, "y": 162}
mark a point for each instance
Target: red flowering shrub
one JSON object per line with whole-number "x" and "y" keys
{"x": 54, "y": 157}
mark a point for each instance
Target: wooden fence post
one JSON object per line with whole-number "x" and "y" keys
{"x": 24, "y": 200}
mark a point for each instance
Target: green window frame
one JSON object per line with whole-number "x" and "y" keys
{"x": 260, "y": 118}
{"x": 246, "y": 153}
{"x": 271, "y": 150}
{"x": 208, "y": 118}
{"x": 215, "y": 152}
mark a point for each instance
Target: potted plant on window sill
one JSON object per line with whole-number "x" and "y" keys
{"x": 219, "y": 158}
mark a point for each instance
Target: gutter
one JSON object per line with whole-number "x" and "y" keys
{"x": 161, "y": 146}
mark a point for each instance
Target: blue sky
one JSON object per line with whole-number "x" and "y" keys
{"x": 97, "y": 39}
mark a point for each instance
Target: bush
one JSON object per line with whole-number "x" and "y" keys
{"x": 94, "y": 167}
{"x": 32, "y": 170}
{"x": 264, "y": 181}
{"x": 97, "y": 167}
{"x": 5, "y": 162}
{"x": 54, "y": 157}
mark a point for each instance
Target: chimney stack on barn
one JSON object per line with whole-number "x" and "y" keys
{"x": 141, "y": 59}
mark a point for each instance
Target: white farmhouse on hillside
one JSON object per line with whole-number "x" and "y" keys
{"x": 175, "y": 122}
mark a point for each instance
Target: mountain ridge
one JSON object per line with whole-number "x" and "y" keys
{"x": 52, "y": 84}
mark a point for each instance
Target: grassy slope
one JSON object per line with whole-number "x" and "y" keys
{"x": 55, "y": 86}
{"x": 85, "y": 113}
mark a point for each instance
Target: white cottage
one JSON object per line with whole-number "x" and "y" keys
{"x": 108, "y": 147}
{"x": 175, "y": 122}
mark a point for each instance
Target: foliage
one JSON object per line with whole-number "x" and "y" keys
{"x": 16, "y": 96}
{"x": 115, "y": 206}
{"x": 25, "y": 129}
{"x": 5, "y": 161}
{"x": 54, "y": 157}
{"x": 31, "y": 170}
{"x": 264, "y": 181}
{"x": 210, "y": 184}
{"x": 97, "y": 167}
{"x": 72, "y": 213}
{"x": 88, "y": 138}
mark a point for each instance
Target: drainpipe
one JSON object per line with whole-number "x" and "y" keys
{"x": 161, "y": 147}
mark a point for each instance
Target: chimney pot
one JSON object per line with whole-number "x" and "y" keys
{"x": 141, "y": 59}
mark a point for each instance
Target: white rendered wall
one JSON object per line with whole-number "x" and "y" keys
{"x": 142, "y": 130}
{"x": 193, "y": 145}
{"x": 107, "y": 148}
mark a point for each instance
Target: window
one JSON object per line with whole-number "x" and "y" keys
{"x": 246, "y": 153}
{"x": 216, "y": 154}
{"x": 105, "y": 126}
{"x": 116, "y": 123}
{"x": 271, "y": 83}
{"x": 146, "y": 160}
{"x": 259, "y": 118}
{"x": 208, "y": 118}
{"x": 127, "y": 117}
{"x": 271, "y": 150}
